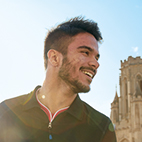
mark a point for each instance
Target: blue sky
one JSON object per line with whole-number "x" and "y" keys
{"x": 24, "y": 25}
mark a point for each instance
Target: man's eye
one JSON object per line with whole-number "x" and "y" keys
{"x": 85, "y": 52}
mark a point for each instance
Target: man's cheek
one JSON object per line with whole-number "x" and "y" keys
{"x": 76, "y": 60}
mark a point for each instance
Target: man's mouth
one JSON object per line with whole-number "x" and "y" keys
{"x": 88, "y": 73}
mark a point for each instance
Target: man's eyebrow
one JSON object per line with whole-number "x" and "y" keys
{"x": 86, "y": 47}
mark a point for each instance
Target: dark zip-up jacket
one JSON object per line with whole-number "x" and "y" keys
{"x": 22, "y": 120}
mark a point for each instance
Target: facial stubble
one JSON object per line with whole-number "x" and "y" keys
{"x": 65, "y": 74}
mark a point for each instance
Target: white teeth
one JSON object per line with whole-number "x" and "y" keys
{"x": 88, "y": 73}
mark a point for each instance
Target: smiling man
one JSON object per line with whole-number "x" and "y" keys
{"x": 54, "y": 112}
{"x": 81, "y": 62}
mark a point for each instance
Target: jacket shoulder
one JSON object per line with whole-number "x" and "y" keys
{"x": 96, "y": 117}
{"x": 13, "y": 103}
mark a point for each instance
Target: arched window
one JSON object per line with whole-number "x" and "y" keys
{"x": 115, "y": 116}
{"x": 126, "y": 95}
{"x": 139, "y": 79}
{"x": 141, "y": 84}
{"x": 137, "y": 115}
{"x": 124, "y": 140}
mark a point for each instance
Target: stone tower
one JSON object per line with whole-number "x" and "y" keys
{"x": 126, "y": 110}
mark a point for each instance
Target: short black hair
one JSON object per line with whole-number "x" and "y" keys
{"x": 59, "y": 38}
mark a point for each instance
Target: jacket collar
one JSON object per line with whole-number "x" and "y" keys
{"x": 75, "y": 109}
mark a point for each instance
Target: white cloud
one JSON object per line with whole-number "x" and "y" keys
{"x": 135, "y": 49}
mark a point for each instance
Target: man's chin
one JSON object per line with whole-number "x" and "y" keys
{"x": 85, "y": 90}
{"x": 82, "y": 89}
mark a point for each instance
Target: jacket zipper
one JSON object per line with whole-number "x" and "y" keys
{"x": 50, "y": 122}
{"x": 50, "y": 117}
{"x": 50, "y": 127}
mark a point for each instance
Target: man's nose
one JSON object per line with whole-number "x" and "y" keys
{"x": 94, "y": 63}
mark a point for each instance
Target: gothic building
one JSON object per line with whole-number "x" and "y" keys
{"x": 126, "y": 110}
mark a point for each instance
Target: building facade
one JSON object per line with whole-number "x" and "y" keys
{"x": 126, "y": 110}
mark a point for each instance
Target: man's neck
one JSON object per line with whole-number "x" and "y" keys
{"x": 55, "y": 95}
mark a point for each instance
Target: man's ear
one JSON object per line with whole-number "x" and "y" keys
{"x": 53, "y": 57}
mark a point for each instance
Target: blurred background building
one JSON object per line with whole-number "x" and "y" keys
{"x": 126, "y": 109}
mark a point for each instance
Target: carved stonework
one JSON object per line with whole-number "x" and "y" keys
{"x": 126, "y": 110}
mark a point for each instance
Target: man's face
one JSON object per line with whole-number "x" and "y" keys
{"x": 81, "y": 62}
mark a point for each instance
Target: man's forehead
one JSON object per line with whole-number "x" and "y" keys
{"x": 84, "y": 35}
{"x": 84, "y": 39}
